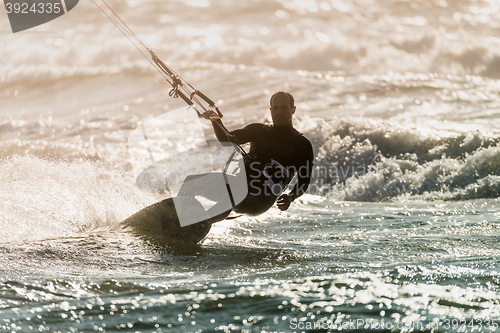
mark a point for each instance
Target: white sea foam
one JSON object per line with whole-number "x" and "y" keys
{"x": 48, "y": 199}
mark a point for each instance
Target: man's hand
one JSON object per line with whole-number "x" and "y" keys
{"x": 283, "y": 202}
{"x": 211, "y": 115}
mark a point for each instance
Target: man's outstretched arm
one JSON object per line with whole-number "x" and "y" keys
{"x": 239, "y": 136}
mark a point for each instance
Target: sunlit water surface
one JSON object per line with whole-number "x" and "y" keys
{"x": 399, "y": 231}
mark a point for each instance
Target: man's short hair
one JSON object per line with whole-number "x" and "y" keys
{"x": 290, "y": 98}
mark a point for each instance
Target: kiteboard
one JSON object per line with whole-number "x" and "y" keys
{"x": 161, "y": 222}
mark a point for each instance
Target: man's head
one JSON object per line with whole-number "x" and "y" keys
{"x": 282, "y": 108}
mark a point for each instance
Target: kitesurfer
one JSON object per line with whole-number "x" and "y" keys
{"x": 277, "y": 153}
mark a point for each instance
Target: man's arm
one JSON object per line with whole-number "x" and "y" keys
{"x": 220, "y": 130}
{"x": 239, "y": 136}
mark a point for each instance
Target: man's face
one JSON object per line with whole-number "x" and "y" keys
{"x": 281, "y": 111}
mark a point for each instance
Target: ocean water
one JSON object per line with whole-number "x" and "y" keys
{"x": 399, "y": 232}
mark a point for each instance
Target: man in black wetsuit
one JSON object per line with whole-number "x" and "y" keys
{"x": 277, "y": 153}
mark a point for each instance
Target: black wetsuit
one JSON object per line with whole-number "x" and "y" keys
{"x": 283, "y": 144}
